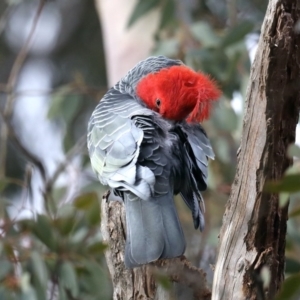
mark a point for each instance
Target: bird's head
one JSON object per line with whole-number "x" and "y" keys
{"x": 178, "y": 93}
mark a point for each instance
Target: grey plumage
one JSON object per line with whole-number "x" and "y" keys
{"x": 146, "y": 159}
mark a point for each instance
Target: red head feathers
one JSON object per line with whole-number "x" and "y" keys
{"x": 178, "y": 93}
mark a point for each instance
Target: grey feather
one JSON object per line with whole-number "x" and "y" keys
{"x": 195, "y": 149}
{"x": 153, "y": 230}
{"x": 145, "y": 159}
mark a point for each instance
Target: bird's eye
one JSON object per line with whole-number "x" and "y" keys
{"x": 158, "y": 103}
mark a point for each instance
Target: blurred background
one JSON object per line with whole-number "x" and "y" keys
{"x": 57, "y": 59}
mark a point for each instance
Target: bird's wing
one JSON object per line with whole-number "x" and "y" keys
{"x": 197, "y": 150}
{"x": 114, "y": 144}
{"x": 129, "y": 151}
{"x": 153, "y": 227}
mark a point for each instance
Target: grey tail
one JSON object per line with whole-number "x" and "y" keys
{"x": 153, "y": 230}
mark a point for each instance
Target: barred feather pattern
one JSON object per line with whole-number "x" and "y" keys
{"x": 146, "y": 160}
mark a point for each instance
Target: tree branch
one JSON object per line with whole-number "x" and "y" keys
{"x": 254, "y": 225}
{"x": 140, "y": 283}
{"x": 18, "y": 63}
{"x": 28, "y": 155}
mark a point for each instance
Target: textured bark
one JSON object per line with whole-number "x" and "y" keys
{"x": 254, "y": 225}
{"x": 140, "y": 283}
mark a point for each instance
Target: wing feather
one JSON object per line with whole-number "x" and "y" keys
{"x": 114, "y": 142}
{"x": 196, "y": 151}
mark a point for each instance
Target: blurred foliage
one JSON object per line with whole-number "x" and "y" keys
{"x": 56, "y": 254}
{"x": 63, "y": 246}
{"x": 60, "y": 250}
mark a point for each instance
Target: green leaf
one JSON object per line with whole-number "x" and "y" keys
{"x": 235, "y": 52}
{"x": 29, "y": 294}
{"x": 237, "y": 33}
{"x": 57, "y": 100}
{"x": 290, "y": 288}
{"x": 70, "y": 107}
{"x": 62, "y": 292}
{"x": 224, "y": 117}
{"x": 283, "y": 199}
{"x": 13, "y": 2}
{"x": 79, "y": 235}
{"x": 4, "y": 182}
{"x": 85, "y": 201}
{"x": 44, "y": 231}
{"x": 64, "y": 104}
{"x": 167, "y": 47}
{"x": 58, "y": 194}
{"x": 9, "y": 251}
{"x": 203, "y": 33}
{"x": 26, "y": 225}
{"x": 221, "y": 146}
{"x": 5, "y": 268}
{"x": 39, "y": 269}
{"x": 294, "y": 169}
{"x": 68, "y": 278}
{"x": 293, "y": 150}
{"x": 292, "y": 265}
{"x": 289, "y": 184}
{"x": 97, "y": 248}
{"x": 66, "y": 210}
{"x": 6, "y": 294}
{"x": 167, "y": 14}
{"x": 95, "y": 281}
{"x": 142, "y": 8}
{"x": 295, "y": 212}
{"x": 93, "y": 214}
{"x": 65, "y": 224}
{"x": 68, "y": 142}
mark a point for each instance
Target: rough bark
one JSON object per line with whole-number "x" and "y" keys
{"x": 141, "y": 283}
{"x": 254, "y": 225}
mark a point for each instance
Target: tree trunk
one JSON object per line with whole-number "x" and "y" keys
{"x": 252, "y": 239}
{"x": 142, "y": 283}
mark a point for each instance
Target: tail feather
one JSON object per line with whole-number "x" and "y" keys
{"x": 153, "y": 230}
